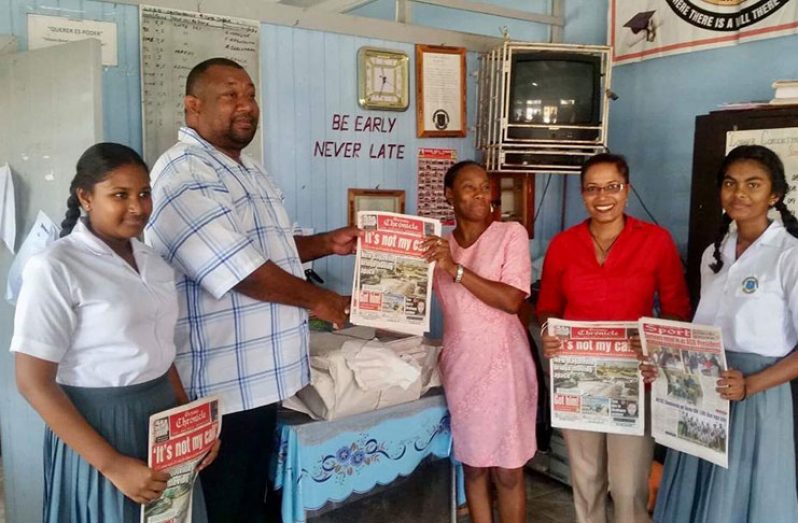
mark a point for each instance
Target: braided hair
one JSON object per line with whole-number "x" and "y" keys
{"x": 92, "y": 168}
{"x": 773, "y": 166}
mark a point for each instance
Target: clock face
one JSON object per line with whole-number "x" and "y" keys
{"x": 383, "y": 82}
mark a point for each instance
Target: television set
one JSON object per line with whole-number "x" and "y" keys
{"x": 542, "y": 107}
{"x": 554, "y": 97}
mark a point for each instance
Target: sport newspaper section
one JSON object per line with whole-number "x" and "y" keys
{"x": 687, "y": 412}
{"x": 595, "y": 383}
{"x": 392, "y": 285}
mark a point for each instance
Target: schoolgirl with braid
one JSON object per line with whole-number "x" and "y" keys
{"x": 94, "y": 346}
{"x": 749, "y": 288}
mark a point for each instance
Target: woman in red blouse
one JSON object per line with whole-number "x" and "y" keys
{"x": 609, "y": 268}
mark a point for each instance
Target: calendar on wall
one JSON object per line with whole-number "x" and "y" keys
{"x": 432, "y": 166}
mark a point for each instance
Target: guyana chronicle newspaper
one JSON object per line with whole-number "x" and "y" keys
{"x": 392, "y": 285}
{"x": 179, "y": 439}
{"x": 595, "y": 381}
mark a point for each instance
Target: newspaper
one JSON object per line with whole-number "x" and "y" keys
{"x": 179, "y": 439}
{"x": 392, "y": 285}
{"x": 687, "y": 413}
{"x": 596, "y": 384}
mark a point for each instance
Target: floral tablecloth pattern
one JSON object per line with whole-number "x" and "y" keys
{"x": 326, "y": 461}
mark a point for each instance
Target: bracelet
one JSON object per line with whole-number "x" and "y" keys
{"x": 544, "y": 328}
{"x": 458, "y": 275}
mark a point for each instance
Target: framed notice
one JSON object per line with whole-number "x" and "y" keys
{"x": 440, "y": 91}
{"x": 375, "y": 200}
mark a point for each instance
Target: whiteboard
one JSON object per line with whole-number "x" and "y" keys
{"x": 172, "y": 43}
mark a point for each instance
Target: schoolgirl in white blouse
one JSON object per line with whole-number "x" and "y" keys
{"x": 749, "y": 288}
{"x": 94, "y": 344}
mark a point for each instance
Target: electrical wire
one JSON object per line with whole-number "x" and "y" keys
{"x": 540, "y": 204}
{"x": 642, "y": 204}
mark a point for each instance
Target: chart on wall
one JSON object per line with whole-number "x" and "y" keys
{"x": 172, "y": 43}
{"x": 784, "y": 142}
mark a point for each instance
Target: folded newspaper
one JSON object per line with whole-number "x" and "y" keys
{"x": 392, "y": 285}
{"x": 179, "y": 439}
{"x": 595, "y": 382}
{"x": 687, "y": 413}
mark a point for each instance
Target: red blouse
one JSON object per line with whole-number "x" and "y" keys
{"x": 642, "y": 262}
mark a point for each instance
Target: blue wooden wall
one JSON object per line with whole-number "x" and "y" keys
{"x": 308, "y": 77}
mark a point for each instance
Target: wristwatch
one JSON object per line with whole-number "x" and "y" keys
{"x": 458, "y": 275}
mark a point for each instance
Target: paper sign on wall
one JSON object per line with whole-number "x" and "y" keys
{"x": 44, "y": 31}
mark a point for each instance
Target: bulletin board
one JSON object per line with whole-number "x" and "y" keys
{"x": 172, "y": 43}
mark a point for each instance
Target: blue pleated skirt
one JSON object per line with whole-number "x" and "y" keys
{"x": 76, "y": 492}
{"x": 759, "y": 485}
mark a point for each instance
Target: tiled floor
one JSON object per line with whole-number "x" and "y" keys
{"x": 548, "y": 501}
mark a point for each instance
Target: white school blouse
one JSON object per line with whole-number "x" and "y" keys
{"x": 754, "y": 299}
{"x": 106, "y": 325}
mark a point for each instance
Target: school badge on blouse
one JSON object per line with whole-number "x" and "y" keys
{"x": 750, "y": 285}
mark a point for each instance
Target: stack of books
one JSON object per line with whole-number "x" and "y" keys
{"x": 785, "y": 92}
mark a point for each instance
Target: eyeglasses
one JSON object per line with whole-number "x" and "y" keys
{"x": 610, "y": 188}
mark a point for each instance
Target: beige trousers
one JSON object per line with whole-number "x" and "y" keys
{"x": 618, "y": 463}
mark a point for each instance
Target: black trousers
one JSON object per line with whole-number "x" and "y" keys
{"x": 235, "y": 484}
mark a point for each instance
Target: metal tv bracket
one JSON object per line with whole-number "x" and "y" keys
{"x": 535, "y": 147}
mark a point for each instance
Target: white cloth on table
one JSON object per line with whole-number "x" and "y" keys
{"x": 376, "y": 367}
{"x": 334, "y": 391}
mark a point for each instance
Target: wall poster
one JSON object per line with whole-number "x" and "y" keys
{"x": 432, "y": 166}
{"x": 655, "y": 28}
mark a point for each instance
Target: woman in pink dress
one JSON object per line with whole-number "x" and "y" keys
{"x": 482, "y": 276}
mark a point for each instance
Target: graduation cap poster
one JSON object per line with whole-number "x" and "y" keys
{"x": 643, "y": 29}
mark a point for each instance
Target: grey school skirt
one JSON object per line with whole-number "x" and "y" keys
{"x": 759, "y": 485}
{"x": 76, "y": 492}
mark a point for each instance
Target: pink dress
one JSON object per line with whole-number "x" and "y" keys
{"x": 486, "y": 365}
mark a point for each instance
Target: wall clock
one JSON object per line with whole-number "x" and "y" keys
{"x": 382, "y": 79}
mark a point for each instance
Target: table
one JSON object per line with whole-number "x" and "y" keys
{"x": 322, "y": 461}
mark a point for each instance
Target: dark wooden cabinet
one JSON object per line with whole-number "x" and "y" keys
{"x": 708, "y": 152}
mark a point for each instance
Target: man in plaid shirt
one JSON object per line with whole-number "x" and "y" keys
{"x": 242, "y": 334}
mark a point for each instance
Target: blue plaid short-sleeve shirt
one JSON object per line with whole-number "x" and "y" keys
{"x": 217, "y": 220}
